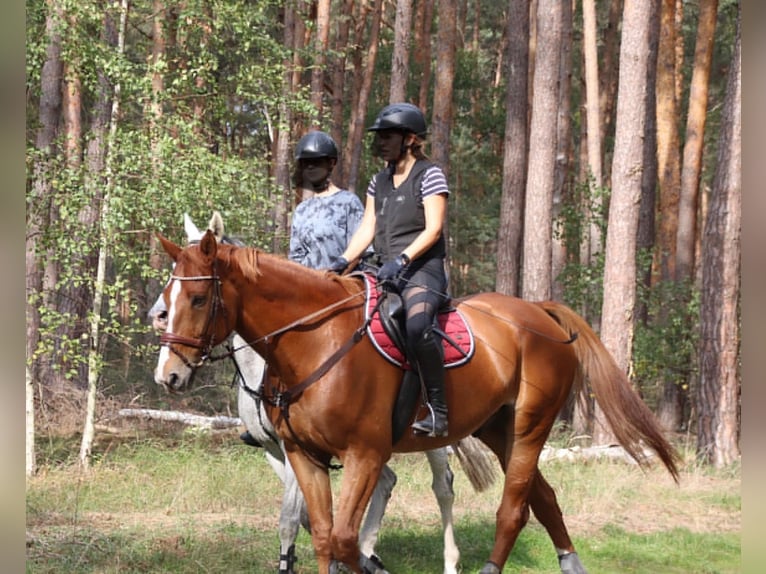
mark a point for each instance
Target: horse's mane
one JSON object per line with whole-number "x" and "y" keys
{"x": 248, "y": 260}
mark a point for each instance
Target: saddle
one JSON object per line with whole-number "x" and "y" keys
{"x": 387, "y": 332}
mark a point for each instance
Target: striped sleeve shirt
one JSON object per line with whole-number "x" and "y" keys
{"x": 434, "y": 182}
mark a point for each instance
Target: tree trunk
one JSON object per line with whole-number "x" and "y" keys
{"x": 510, "y": 229}
{"x": 694, "y": 142}
{"x": 95, "y": 350}
{"x": 668, "y": 147}
{"x": 422, "y": 50}
{"x": 647, "y": 210}
{"x": 339, "y": 86}
{"x": 564, "y": 167}
{"x": 38, "y": 210}
{"x": 542, "y": 154}
{"x": 667, "y": 143}
{"x": 31, "y": 458}
{"x": 593, "y": 114}
{"x": 627, "y": 169}
{"x": 322, "y": 42}
{"x": 356, "y": 129}
{"x": 718, "y": 399}
{"x": 441, "y": 118}
{"x": 608, "y": 79}
{"x": 400, "y": 67}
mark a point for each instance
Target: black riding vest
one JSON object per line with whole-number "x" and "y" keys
{"x": 400, "y": 215}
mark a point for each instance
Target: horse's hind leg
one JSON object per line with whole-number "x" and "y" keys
{"x": 445, "y": 496}
{"x": 543, "y": 501}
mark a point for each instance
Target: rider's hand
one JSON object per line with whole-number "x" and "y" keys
{"x": 339, "y": 265}
{"x": 392, "y": 269}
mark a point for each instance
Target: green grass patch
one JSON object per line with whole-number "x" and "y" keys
{"x": 190, "y": 502}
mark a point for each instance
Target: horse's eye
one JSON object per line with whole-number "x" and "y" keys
{"x": 198, "y": 301}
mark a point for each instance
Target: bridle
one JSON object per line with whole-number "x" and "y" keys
{"x": 204, "y": 341}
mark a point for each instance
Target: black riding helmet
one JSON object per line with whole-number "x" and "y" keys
{"x": 402, "y": 116}
{"x": 316, "y": 144}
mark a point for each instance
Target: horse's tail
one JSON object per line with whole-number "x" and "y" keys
{"x": 631, "y": 420}
{"x": 476, "y": 461}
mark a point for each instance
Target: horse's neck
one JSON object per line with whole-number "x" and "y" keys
{"x": 277, "y": 294}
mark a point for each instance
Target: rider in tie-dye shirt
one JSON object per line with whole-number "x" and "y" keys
{"x": 323, "y": 223}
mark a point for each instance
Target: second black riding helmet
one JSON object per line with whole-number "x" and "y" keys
{"x": 401, "y": 116}
{"x": 316, "y": 144}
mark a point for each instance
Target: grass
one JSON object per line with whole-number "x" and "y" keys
{"x": 189, "y": 502}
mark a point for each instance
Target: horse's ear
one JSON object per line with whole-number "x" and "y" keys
{"x": 192, "y": 232}
{"x": 208, "y": 245}
{"x": 216, "y": 225}
{"x": 170, "y": 248}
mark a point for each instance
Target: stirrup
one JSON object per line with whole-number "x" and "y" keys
{"x": 427, "y": 425}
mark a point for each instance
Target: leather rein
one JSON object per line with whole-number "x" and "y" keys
{"x": 281, "y": 399}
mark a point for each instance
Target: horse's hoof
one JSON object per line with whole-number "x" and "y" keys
{"x": 371, "y": 565}
{"x": 570, "y": 564}
{"x": 490, "y": 568}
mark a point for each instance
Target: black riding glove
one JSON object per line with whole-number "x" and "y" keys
{"x": 339, "y": 265}
{"x": 392, "y": 269}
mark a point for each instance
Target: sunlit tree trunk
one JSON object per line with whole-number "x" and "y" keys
{"x": 627, "y": 169}
{"x": 593, "y": 115}
{"x": 667, "y": 143}
{"x": 400, "y": 60}
{"x": 718, "y": 399}
{"x": 694, "y": 141}
{"x": 536, "y": 283}
{"x": 510, "y": 230}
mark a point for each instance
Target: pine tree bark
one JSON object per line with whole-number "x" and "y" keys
{"x": 422, "y": 50}
{"x": 356, "y": 129}
{"x": 400, "y": 68}
{"x": 627, "y": 170}
{"x": 694, "y": 142}
{"x": 509, "y": 233}
{"x": 538, "y": 213}
{"x": 718, "y": 398}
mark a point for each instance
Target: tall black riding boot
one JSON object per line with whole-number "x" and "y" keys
{"x": 431, "y": 367}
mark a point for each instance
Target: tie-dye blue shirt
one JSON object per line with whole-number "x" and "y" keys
{"x": 322, "y": 227}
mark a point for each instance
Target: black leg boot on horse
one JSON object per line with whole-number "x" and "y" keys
{"x": 430, "y": 365}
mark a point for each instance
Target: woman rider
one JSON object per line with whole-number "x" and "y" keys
{"x": 403, "y": 218}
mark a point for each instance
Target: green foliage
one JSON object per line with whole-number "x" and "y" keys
{"x": 586, "y": 206}
{"x": 665, "y": 345}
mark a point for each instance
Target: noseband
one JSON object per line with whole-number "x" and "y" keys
{"x": 205, "y": 341}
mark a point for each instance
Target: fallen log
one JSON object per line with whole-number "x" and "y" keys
{"x": 189, "y": 419}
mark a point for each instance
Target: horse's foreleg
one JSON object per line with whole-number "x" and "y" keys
{"x": 289, "y": 519}
{"x": 543, "y": 501}
{"x": 368, "y": 535}
{"x": 445, "y": 496}
{"x": 314, "y": 482}
{"x": 360, "y": 475}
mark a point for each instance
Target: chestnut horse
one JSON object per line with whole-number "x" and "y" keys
{"x": 336, "y": 394}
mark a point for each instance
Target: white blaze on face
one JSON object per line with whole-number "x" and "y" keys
{"x": 165, "y": 350}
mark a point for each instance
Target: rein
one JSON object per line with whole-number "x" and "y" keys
{"x": 283, "y": 399}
